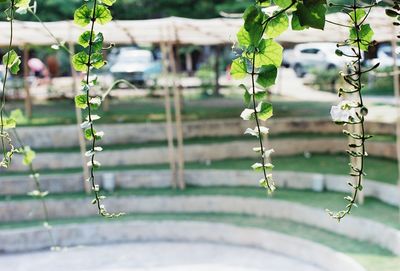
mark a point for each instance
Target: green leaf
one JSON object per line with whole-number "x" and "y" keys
{"x": 259, "y": 166}
{"x": 95, "y": 103}
{"x": 358, "y": 15}
{"x": 283, "y": 3}
{"x": 296, "y": 25}
{"x": 84, "y": 39}
{"x": 17, "y": 115}
{"x": 311, "y": 15}
{"x": 98, "y": 42}
{"x": 22, "y": 3}
{"x": 267, "y": 75}
{"x": 243, "y": 37}
{"x": 246, "y": 95}
{"x": 103, "y": 14}
{"x": 29, "y": 156}
{"x": 239, "y": 68}
{"x": 9, "y": 123}
{"x": 81, "y": 101}
{"x": 97, "y": 61}
{"x": 277, "y": 26}
{"x": 260, "y": 95}
{"x": 89, "y": 135}
{"x": 108, "y": 2}
{"x": 265, "y": 111}
{"x": 22, "y": 6}
{"x": 253, "y": 23}
{"x": 391, "y": 13}
{"x": 83, "y": 15}
{"x": 365, "y": 34}
{"x": 270, "y": 54}
{"x": 12, "y": 61}
{"x": 80, "y": 61}
{"x": 264, "y": 3}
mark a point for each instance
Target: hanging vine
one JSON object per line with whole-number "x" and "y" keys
{"x": 11, "y": 62}
{"x": 259, "y": 56}
{"x": 90, "y": 58}
{"x": 28, "y": 156}
{"x": 351, "y": 111}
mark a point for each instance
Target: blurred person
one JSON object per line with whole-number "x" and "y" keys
{"x": 39, "y": 70}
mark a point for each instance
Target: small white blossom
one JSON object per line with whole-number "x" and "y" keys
{"x": 343, "y": 111}
{"x": 254, "y": 132}
{"x": 247, "y": 114}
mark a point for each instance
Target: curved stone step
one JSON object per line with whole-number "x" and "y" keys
{"x": 353, "y": 227}
{"x": 203, "y": 152}
{"x": 67, "y": 135}
{"x": 66, "y": 183}
{"x": 103, "y": 233}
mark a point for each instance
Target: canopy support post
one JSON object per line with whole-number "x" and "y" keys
{"x": 178, "y": 120}
{"x": 28, "y": 99}
{"x": 168, "y": 116}
{"x": 396, "y": 86}
{"x": 81, "y": 137}
{"x": 216, "y": 69}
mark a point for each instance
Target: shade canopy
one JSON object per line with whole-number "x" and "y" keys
{"x": 182, "y": 31}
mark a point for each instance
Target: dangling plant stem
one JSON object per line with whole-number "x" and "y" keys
{"x": 85, "y": 61}
{"x": 7, "y": 62}
{"x": 353, "y": 112}
{"x": 28, "y": 158}
{"x": 267, "y": 181}
{"x": 260, "y": 56}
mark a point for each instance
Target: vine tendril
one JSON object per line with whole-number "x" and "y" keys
{"x": 5, "y": 137}
{"x": 85, "y": 62}
{"x": 350, "y": 112}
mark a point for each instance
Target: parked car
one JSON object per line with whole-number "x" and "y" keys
{"x": 308, "y": 56}
{"x": 287, "y": 60}
{"x": 137, "y": 66}
{"x": 1, "y": 76}
{"x": 385, "y": 57}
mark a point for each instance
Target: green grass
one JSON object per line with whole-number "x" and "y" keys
{"x": 372, "y": 209}
{"x": 214, "y": 140}
{"x": 136, "y": 110}
{"x": 379, "y": 91}
{"x": 372, "y": 257}
{"x": 378, "y": 169}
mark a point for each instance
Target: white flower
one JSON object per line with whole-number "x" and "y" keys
{"x": 247, "y": 114}
{"x": 344, "y": 111}
{"x": 254, "y": 132}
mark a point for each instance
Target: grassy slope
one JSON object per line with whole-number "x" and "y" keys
{"x": 152, "y": 110}
{"x": 371, "y": 256}
{"x": 378, "y": 169}
{"x": 372, "y": 209}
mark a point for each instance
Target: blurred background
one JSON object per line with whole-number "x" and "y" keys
{"x": 175, "y": 156}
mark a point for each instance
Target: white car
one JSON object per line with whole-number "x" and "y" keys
{"x": 384, "y": 56}
{"x": 1, "y": 76}
{"x": 321, "y": 56}
{"x": 136, "y": 66}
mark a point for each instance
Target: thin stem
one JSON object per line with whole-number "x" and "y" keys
{"x": 260, "y": 137}
{"x": 92, "y": 174}
{"x": 358, "y": 170}
{"x": 49, "y": 32}
{"x": 335, "y": 23}
{"x": 254, "y": 101}
{"x": 93, "y": 164}
{"x": 35, "y": 177}
{"x": 3, "y": 101}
